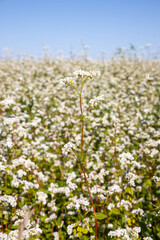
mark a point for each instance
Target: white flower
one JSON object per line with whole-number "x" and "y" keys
{"x": 110, "y": 225}
{"x": 7, "y": 102}
{"x": 94, "y": 102}
{"x": 42, "y": 197}
{"x": 148, "y": 77}
{"x": 147, "y": 238}
{"x": 135, "y": 231}
{"x": 21, "y": 131}
{"x": 153, "y": 152}
{"x": 21, "y": 173}
{"x": 70, "y": 184}
{"x": 96, "y": 73}
{"x": 35, "y": 231}
{"x": 10, "y": 120}
{"x": 110, "y": 206}
{"x": 70, "y": 228}
{"x": 2, "y": 167}
{"x": 9, "y": 199}
{"x": 15, "y": 182}
{"x": 156, "y": 179}
{"x": 117, "y": 233}
{"x": 83, "y": 73}
{"x": 77, "y": 203}
{"x": 131, "y": 177}
{"x": 124, "y": 203}
{"x": 68, "y": 81}
{"x": 138, "y": 211}
{"x": 9, "y": 142}
{"x": 56, "y": 236}
{"x": 139, "y": 188}
{"x": 114, "y": 189}
{"x": 67, "y": 148}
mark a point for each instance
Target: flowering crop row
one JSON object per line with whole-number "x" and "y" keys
{"x": 79, "y": 149}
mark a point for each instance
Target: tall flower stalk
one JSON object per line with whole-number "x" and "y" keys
{"x": 70, "y": 81}
{"x": 82, "y": 163}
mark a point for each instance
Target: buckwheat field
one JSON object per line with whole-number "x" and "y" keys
{"x": 79, "y": 149}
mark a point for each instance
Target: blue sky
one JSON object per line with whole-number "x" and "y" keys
{"x": 28, "y": 25}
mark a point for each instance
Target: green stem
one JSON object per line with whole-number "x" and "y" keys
{"x": 2, "y": 222}
{"x": 82, "y": 129}
{"x": 88, "y": 190}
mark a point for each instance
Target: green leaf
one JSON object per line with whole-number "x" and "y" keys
{"x": 115, "y": 211}
{"x": 148, "y": 183}
{"x": 5, "y": 221}
{"x": 8, "y": 191}
{"x": 129, "y": 190}
{"x": 99, "y": 216}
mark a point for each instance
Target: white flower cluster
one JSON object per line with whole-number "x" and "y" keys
{"x": 68, "y": 81}
{"x": 147, "y": 238}
{"x": 7, "y": 102}
{"x": 20, "y": 212}
{"x": 41, "y": 176}
{"x": 154, "y": 152}
{"x": 152, "y": 143}
{"x": 21, "y": 132}
{"x": 25, "y": 184}
{"x": 68, "y": 147}
{"x": 125, "y": 159}
{"x": 9, "y": 142}
{"x": 51, "y": 217}
{"x": 127, "y": 205}
{"x": 114, "y": 189}
{"x": 126, "y": 234}
{"x": 135, "y": 231}
{"x": 138, "y": 211}
{"x": 13, "y": 235}
{"x": 156, "y": 179}
{"x": 27, "y": 163}
{"x": 42, "y": 197}
{"x": 83, "y": 73}
{"x": 70, "y": 228}
{"x": 56, "y": 236}
{"x": 98, "y": 189}
{"x": 110, "y": 225}
{"x": 95, "y": 101}
{"x": 131, "y": 177}
{"x": 21, "y": 173}
{"x": 110, "y": 206}
{"x": 32, "y": 232}
{"x": 7, "y": 199}
{"x": 55, "y": 189}
{"x": 148, "y": 77}
{"x": 70, "y": 184}
{"x": 52, "y": 205}
{"x": 77, "y": 203}
{"x": 10, "y": 120}
{"x": 97, "y": 176}
{"x": 28, "y": 185}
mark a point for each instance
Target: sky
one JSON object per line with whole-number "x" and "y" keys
{"x": 27, "y": 26}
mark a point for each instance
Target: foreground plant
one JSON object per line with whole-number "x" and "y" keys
{"x": 82, "y": 77}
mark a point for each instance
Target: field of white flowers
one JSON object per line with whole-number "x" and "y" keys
{"x": 79, "y": 149}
